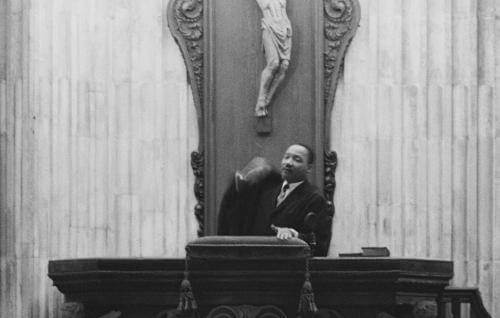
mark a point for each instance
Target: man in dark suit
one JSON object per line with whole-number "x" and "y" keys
{"x": 261, "y": 201}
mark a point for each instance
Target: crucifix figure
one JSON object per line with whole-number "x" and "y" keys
{"x": 277, "y": 45}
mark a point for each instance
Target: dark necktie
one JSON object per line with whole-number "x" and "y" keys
{"x": 283, "y": 193}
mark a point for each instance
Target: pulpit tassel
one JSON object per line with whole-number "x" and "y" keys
{"x": 187, "y": 303}
{"x": 307, "y": 306}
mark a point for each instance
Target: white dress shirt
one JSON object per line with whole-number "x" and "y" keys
{"x": 291, "y": 186}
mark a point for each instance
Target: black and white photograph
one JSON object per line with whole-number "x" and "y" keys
{"x": 249, "y": 158}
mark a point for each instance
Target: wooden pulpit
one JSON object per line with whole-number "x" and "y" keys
{"x": 237, "y": 277}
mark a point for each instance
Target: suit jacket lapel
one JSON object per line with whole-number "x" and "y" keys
{"x": 275, "y": 194}
{"x": 292, "y": 197}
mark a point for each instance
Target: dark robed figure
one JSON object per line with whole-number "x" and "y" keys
{"x": 263, "y": 201}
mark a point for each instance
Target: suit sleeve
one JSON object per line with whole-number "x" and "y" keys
{"x": 317, "y": 231}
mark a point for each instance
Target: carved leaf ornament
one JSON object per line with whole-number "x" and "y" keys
{"x": 197, "y": 163}
{"x": 338, "y": 18}
{"x": 189, "y": 22}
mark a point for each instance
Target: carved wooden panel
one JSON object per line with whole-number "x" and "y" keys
{"x": 246, "y": 311}
{"x": 221, "y": 46}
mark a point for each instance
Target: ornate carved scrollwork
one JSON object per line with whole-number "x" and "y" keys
{"x": 246, "y": 311}
{"x": 330, "y": 183}
{"x": 341, "y": 18}
{"x": 185, "y": 19}
{"x": 197, "y": 163}
{"x": 340, "y": 23}
{"x": 186, "y": 23}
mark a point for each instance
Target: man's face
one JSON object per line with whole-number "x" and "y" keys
{"x": 294, "y": 165}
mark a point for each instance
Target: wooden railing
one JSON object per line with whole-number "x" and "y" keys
{"x": 454, "y": 301}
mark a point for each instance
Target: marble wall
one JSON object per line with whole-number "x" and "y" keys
{"x": 416, "y": 128}
{"x": 97, "y": 123}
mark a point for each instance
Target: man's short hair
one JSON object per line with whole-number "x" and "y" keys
{"x": 311, "y": 156}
